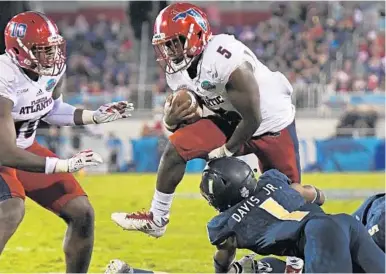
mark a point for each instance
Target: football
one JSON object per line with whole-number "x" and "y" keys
{"x": 183, "y": 95}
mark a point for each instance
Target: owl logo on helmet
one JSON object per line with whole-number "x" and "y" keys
{"x": 195, "y": 15}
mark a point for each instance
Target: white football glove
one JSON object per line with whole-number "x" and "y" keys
{"x": 85, "y": 158}
{"x": 219, "y": 152}
{"x": 112, "y": 111}
{"x": 246, "y": 264}
{"x": 118, "y": 266}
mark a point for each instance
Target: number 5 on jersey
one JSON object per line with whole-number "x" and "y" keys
{"x": 224, "y": 52}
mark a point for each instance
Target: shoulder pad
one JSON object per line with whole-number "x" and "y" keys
{"x": 175, "y": 81}
{"x": 8, "y": 79}
{"x": 224, "y": 54}
{"x": 273, "y": 175}
{"x": 217, "y": 229}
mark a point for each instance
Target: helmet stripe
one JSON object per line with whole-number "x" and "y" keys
{"x": 158, "y": 21}
{"x": 210, "y": 186}
{"x": 51, "y": 26}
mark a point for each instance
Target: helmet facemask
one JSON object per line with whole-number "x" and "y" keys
{"x": 209, "y": 198}
{"x": 172, "y": 54}
{"x": 48, "y": 59}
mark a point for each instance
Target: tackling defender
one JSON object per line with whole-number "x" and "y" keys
{"x": 31, "y": 69}
{"x": 254, "y": 111}
{"x": 371, "y": 214}
{"x": 267, "y": 217}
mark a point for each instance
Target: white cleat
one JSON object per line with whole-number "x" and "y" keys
{"x": 141, "y": 221}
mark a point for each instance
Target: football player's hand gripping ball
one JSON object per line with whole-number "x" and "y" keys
{"x": 175, "y": 114}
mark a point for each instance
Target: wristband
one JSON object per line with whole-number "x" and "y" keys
{"x": 227, "y": 152}
{"x": 61, "y": 166}
{"x": 88, "y": 117}
{"x": 317, "y": 197}
{"x": 51, "y": 164}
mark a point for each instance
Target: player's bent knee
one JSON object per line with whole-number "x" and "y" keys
{"x": 171, "y": 153}
{"x": 324, "y": 228}
{"x": 79, "y": 214}
{"x": 11, "y": 214}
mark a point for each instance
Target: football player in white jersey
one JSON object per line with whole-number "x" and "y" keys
{"x": 254, "y": 110}
{"x": 30, "y": 71}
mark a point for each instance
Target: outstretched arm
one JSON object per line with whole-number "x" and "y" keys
{"x": 64, "y": 114}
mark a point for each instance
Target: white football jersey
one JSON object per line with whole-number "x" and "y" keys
{"x": 31, "y": 100}
{"x": 223, "y": 54}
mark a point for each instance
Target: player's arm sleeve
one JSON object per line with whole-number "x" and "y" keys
{"x": 232, "y": 57}
{"x": 217, "y": 231}
{"x": 62, "y": 114}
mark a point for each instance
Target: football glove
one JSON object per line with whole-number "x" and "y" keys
{"x": 112, "y": 111}
{"x": 220, "y": 152}
{"x": 85, "y": 158}
{"x": 246, "y": 264}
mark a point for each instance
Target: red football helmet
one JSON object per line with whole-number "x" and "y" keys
{"x": 181, "y": 32}
{"x": 33, "y": 41}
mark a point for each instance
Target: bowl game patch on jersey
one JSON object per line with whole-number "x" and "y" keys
{"x": 51, "y": 84}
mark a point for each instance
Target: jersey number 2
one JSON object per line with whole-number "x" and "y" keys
{"x": 224, "y": 52}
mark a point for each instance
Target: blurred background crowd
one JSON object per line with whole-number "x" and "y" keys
{"x": 337, "y": 44}
{"x": 302, "y": 40}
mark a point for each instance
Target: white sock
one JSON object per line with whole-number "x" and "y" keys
{"x": 161, "y": 204}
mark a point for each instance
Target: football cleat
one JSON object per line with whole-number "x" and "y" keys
{"x": 141, "y": 221}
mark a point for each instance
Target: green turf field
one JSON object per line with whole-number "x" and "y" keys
{"x": 37, "y": 245}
